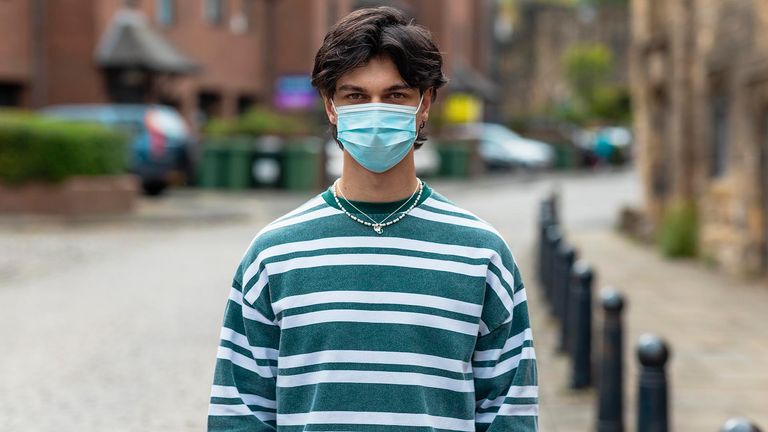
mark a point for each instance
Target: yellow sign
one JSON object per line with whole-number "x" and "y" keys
{"x": 463, "y": 108}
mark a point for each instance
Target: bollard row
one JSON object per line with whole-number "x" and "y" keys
{"x": 566, "y": 285}
{"x": 567, "y": 289}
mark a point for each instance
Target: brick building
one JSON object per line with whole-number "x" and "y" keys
{"x": 700, "y": 92}
{"x": 215, "y": 57}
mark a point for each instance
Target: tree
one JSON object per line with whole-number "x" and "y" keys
{"x": 588, "y": 70}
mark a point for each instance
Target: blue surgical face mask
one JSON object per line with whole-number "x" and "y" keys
{"x": 377, "y": 135}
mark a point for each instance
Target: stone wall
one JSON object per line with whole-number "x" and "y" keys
{"x": 700, "y": 93}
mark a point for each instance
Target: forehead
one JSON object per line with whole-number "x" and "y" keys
{"x": 379, "y": 73}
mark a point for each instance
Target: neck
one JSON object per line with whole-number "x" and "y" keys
{"x": 359, "y": 184}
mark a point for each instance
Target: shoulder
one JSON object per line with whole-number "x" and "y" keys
{"x": 296, "y": 225}
{"x": 481, "y": 232}
{"x": 439, "y": 208}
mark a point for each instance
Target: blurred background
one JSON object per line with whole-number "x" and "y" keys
{"x": 143, "y": 143}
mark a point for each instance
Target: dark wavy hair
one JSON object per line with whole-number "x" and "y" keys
{"x": 372, "y": 32}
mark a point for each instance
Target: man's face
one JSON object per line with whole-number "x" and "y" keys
{"x": 376, "y": 81}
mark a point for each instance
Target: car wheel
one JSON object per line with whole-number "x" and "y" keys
{"x": 153, "y": 187}
{"x": 188, "y": 167}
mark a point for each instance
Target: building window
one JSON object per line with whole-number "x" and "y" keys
{"x": 241, "y": 21}
{"x": 245, "y": 103}
{"x": 208, "y": 105}
{"x": 719, "y": 154}
{"x": 214, "y": 11}
{"x": 10, "y": 94}
{"x": 165, "y": 12}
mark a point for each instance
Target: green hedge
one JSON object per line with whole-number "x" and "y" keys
{"x": 259, "y": 121}
{"x": 38, "y": 148}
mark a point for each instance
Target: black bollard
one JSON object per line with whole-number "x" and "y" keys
{"x": 580, "y": 321}
{"x": 553, "y": 201}
{"x": 610, "y": 415}
{"x": 652, "y": 399}
{"x": 558, "y": 278}
{"x": 554, "y": 237}
{"x": 545, "y": 220}
{"x": 739, "y": 425}
{"x": 562, "y": 293}
{"x": 567, "y": 323}
{"x": 545, "y": 261}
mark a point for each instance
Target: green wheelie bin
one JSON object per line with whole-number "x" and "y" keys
{"x": 213, "y": 167}
{"x": 239, "y": 152}
{"x": 301, "y": 163}
{"x": 455, "y": 158}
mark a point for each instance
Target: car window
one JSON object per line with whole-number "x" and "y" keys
{"x": 132, "y": 127}
{"x": 166, "y": 122}
{"x": 76, "y": 113}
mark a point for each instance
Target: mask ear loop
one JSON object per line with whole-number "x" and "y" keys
{"x": 417, "y": 113}
{"x": 334, "y": 106}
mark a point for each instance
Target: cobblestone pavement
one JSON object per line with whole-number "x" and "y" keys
{"x": 113, "y": 324}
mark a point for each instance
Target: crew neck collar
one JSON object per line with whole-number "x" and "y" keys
{"x": 373, "y": 207}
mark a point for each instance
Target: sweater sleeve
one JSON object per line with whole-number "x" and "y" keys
{"x": 245, "y": 377}
{"x": 504, "y": 361}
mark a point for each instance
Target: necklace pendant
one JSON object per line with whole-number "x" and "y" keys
{"x": 378, "y": 228}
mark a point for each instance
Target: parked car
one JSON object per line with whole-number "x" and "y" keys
{"x": 162, "y": 150}
{"x": 426, "y": 159}
{"x": 501, "y": 148}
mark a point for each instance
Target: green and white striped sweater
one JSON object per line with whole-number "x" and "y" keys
{"x": 332, "y": 327}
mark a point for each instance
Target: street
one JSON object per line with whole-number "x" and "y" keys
{"x": 113, "y": 325}
{"x": 143, "y": 146}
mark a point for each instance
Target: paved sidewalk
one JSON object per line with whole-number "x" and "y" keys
{"x": 715, "y": 325}
{"x": 179, "y": 206}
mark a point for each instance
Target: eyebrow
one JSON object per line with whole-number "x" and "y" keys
{"x": 397, "y": 87}
{"x": 354, "y": 88}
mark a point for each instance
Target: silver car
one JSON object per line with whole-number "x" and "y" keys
{"x": 500, "y": 147}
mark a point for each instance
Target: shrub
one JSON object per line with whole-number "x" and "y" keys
{"x": 612, "y": 103}
{"x": 259, "y": 121}
{"x": 39, "y": 148}
{"x": 678, "y": 233}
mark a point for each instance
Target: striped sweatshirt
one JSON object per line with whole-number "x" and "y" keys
{"x": 330, "y": 326}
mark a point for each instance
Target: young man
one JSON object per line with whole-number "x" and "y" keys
{"x": 379, "y": 304}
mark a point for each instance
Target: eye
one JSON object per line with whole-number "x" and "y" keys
{"x": 398, "y": 95}
{"x": 355, "y": 96}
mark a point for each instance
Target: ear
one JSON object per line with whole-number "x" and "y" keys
{"x": 329, "y": 110}
{"x": 426, "y": 103}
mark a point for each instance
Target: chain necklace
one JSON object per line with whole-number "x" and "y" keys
{"x": 378, "y": 226}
